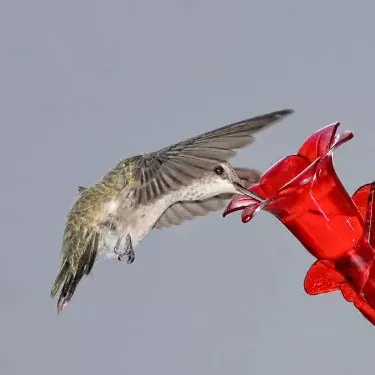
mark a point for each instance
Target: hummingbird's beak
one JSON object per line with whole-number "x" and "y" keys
{"x": 242, "y": 190}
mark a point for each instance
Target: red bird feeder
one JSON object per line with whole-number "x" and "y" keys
{"x": 304, "y": 192}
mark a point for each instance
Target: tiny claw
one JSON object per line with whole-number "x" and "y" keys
{"x": 128, "y": 250}
{"x": 131, "y": 257}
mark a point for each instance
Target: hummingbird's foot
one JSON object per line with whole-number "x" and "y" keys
{"x": 129, "y": 249}
{"x": 126, "y": 251}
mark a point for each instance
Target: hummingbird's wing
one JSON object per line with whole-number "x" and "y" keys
{"x": 168, "y": 169}
{"x": 179, "y": 212}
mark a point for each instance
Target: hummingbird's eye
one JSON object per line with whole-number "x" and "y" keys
{"x": 219, "y": 170}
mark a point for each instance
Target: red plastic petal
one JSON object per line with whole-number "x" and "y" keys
{"x": 342, "y": 138}
{"x": 239, "y": 203}
{"x": 360, "y": 198}
{"x": 327, "y": 187}
{"x": 358, "y": 265}
{"x": 319, "y": 143}
{"x": 257, "y": 190}
{"x": 322, "y": 278}
{"x": 280, "y": 174}
{"x": 249, "y": 212}
{"x": 302, "y": 181}
{"x": 319, "y": 212}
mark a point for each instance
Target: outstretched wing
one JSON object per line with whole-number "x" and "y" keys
{"x": 161, "y": 172}
{"x": 189, "y": 210}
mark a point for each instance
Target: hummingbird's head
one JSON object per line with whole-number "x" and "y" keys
{"x": 235, "y": 180}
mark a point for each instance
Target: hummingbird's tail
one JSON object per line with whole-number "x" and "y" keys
{"x": 70, "y": 275}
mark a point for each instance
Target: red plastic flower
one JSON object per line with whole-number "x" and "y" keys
{"x": 305, "y": 194}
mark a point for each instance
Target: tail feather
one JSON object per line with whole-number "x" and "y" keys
{"x": 60, "y": 278}
{"x": 92, "y": 253}
{"x": 69, "y": 277}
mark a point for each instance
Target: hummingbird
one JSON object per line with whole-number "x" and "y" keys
{"x": 153, "y": 191}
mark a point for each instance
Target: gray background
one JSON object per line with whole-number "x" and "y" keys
{"x": 85, "y": 83}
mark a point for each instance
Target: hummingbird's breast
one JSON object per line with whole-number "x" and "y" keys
{"x": 140, "y": 220}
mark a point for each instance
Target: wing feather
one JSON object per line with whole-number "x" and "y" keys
{"x": 166, "y": 170}
{"x": 189, "y": 210}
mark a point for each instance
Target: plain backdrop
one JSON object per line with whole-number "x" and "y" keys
{"x": 86, "y": 83}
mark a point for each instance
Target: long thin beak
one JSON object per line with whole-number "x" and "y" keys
{"x": 244, "y": 191}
